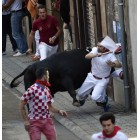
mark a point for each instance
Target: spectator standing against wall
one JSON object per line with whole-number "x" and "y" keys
{"x": 110, "y": 130}
{"x": 49, "y": 31}
{"x": 40, "y": 104}
{"x": 65, "y": 15}
{"x": 7, "y": 30}
{"x": 32, "y": 7}
{"x": 17, "y": 15}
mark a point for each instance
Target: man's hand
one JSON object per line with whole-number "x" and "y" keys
{"x": 63, "y": 113}
{"x": 98, "y": 54}
{"x": 52, "y": 39}
{"x": 4, "y": 7}
{"x": 7, "y": 4}
{"x": 111, "y": 64}
{"x": 27, "y": 125}
{"x": 66, "y": 26}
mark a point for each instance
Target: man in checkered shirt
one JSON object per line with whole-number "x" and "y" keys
{"x": 40, "y": 101}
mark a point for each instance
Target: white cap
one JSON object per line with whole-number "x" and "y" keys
{"x": 108, "y": 43}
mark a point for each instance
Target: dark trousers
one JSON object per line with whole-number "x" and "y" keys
{"x": 6, "y": 30}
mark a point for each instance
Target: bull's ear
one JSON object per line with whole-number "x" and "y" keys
{"x": 47, "y": 72}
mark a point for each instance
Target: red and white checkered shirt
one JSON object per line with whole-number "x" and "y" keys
{"x": 38, "y": 98}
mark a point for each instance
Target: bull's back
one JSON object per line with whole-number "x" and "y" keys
{"x": 70, "y": 64}
{"x": 65, "y": 60}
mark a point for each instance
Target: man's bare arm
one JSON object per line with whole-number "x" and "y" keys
{"x": 24, "y": 115}
{"x": 53, "y": 38}
{"x": 59, "y": 31}
{"x": 31, "y": 38}
{"x": 55, "y": 110}
{"x": 115, "y": 64}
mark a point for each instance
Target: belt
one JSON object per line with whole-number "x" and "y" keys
{"x": 100, "y": 78}
{"x": 16, "y": 10}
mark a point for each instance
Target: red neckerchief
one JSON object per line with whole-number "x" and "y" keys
{"x": 107, "y": 50}
{"x": 116, "y": 129}
{"x": 44, "y": 83}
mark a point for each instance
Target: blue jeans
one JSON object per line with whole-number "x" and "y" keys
{"x": 17, "y": 31}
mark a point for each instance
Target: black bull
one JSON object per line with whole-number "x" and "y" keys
{"x": 67, "y": 71}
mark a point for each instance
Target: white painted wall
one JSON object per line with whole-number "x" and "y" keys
{"x": 133, "y": 38}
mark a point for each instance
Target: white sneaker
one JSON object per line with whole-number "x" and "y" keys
{"x": 19, "y": 54}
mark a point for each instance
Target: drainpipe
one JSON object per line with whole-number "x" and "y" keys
{"x": 124, "y": 56}
{"x": 85, "y": 24}
{"x": 76, "y": 27}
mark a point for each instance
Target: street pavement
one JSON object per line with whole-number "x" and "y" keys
{"x": 82, "y": 121}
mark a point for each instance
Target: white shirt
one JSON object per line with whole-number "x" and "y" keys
{"x": 99, "y": 66}
{"x": 16, "y": 5}
{"x": 119, "y": 136}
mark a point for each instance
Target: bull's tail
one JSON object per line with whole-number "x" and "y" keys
{"x": 12, "y": 82}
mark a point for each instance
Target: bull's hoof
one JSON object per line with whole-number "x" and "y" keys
{"x": 100, "y": 104}
{"x": 82, "y": 102}
{"x": 77, "y": 104}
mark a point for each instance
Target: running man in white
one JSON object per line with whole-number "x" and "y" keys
{"x": 102, "y": 60}
{"x": 110, "y": 130}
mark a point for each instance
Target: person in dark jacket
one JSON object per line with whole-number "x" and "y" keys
{"x": 65, "y": 15}
{"x": 7, "y": 30}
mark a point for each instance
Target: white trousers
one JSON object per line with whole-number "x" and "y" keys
{"x": 67, "y": 39}
{"x": 37, "y": 37}
{"x": 97, "y": 87}
{"x": 46, "y": 50}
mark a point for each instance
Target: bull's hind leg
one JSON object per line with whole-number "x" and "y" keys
{"x": 68, "y": 84}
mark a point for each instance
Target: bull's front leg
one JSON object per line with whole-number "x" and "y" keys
{"x": 27, "y": 85}
{"x": 68, "y": 85}
{"x": 73, "y": 95}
